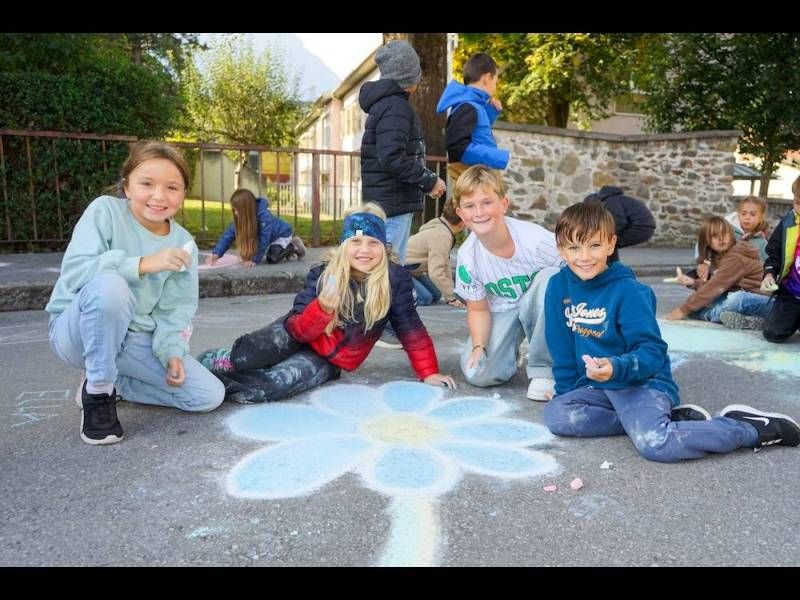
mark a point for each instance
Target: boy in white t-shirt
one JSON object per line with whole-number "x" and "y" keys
{"x": 502, "y": 273}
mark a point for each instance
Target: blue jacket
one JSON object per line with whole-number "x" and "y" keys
{"x": 469, "y": 127}
{"x": 610, "y": 316}
{"x": 270, "y": 228}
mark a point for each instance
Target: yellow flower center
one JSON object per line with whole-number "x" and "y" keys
{"x": 407, "y": 430}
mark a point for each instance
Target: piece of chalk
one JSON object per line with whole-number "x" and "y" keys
{"x": 188, "y": 248}
{"x": 670, "y": 280}
{"x": 591, "y": 363}
{"x": 576, "y": 483}
{"x": 550, "y": 488}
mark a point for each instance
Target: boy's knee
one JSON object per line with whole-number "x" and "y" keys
{"x": 556, "y": 419}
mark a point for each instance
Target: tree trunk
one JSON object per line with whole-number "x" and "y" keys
{"x": 557, "y": 113}
{"x": 768, "y": 165}
{"x": 432, "y": 51}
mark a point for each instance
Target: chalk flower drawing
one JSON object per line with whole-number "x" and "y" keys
{"x": 402, "y": 439}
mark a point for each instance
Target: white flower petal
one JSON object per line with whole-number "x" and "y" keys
{"x": 295, "y": 468}
{"x": 417, "y": 471}
{"x": 503, "y": 431}
{"x": 498, "y": 461}
{"x": 465, "y": 409}
{"x": 349, "y": 400}
{"x": 410, "y": 396}
{"x": 278, "y": 422}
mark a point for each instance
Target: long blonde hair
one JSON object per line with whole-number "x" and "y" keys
{"x": 374, "y": 290}
{"x": 245, "y": 220}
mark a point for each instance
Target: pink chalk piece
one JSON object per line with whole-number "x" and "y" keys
{"x": 590, "y": 362}
{"x": 226, "y": 260}
{"x": 576, "y": 483}
{"x": 550, "y": 488}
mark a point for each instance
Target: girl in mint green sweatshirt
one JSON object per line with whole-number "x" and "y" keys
{"x": 126, "y": 294}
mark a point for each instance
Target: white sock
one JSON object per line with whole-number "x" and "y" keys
{"x": 100, "y": 388}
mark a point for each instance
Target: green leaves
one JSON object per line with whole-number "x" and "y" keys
{"x": 546, "y": 76}
{"x": 240, "y": 97}
{"x": 745, "y": 81}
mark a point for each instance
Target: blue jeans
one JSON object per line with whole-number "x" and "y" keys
{"x": 92, "y": 334}
{"x": 398, "y": 230}
{"x": 508, "y": 330}
{"x": 644, "y": 415}
{"x": 427, "y": 292}
{"x": 740, "y": 301}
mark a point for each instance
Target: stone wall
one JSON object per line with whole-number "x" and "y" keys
{"x": 680, "y": 176}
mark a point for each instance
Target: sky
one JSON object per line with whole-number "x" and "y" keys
{"x": 342, "y": 52}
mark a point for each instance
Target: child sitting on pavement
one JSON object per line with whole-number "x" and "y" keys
{"x": 731, "y": 295}
{"x": 428, "y": 258}
{"x": 610, "y": 363}
{"x": 334, "y": 323}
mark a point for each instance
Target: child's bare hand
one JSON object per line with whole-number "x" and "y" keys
{"x": 168, "y": 259}
{"x": 602, "y": 372}
{"x": 455, "y": 303}
{"x": 496, "y": 103}
{"x": 329, "y": 295}
{"x": 248, "y": 263}
{"x": 675, "y": 315}
{"x": 212, "y": 260}
{"x": 475, "y": 357}
{"x": 175, "y": 373}
{"x": 702, "y": 271}
{"x": 438, "y": 189}
{"x": 768, "y": 284}
{"x": 439, "y": 379}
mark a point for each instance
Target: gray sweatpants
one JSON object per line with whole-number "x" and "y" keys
{"x": 508, "y": 330}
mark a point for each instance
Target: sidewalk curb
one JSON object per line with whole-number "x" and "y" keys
{"x": 35, "y": 295}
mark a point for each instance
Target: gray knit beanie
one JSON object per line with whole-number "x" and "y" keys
{"x": 397, "y": 60}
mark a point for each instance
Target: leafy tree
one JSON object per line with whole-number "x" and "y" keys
{"x": 548, "y": 77}
{"x": 76, "y": 83}
{"x": 236, "y": 96}
{"x": 746, "y": 81}
{"x": 175, "y": 49}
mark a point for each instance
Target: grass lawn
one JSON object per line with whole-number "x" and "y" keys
{"x": 206, "y": 239}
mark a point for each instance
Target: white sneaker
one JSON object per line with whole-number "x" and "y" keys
{"x": 389, "y": 340}
{"x": 541, "y": 389}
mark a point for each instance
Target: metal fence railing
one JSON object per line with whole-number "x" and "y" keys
{"x": 47, "y": 178}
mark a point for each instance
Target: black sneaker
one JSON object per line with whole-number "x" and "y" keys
{"x": 773, "y": 428}
{"x": 689, "y": 412}
{"x": 99, "y": 423}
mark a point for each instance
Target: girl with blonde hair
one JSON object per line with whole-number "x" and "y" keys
{"x": 334, "y": 323}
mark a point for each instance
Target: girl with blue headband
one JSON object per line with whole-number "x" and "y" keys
{"x": 334, "y": 323}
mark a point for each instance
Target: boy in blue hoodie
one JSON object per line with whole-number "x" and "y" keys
{"x": 473, "y": 109}
{"x": 610, "y": 364}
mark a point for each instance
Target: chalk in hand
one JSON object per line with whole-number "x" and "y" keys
{"x": 188, "y": 248}
{"x": 590, "y": 362}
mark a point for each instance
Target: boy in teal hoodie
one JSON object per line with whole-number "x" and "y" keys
{"x": 610, "y": 364}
